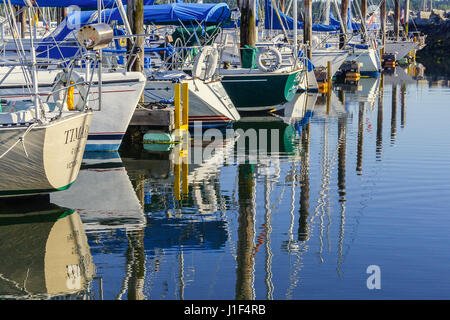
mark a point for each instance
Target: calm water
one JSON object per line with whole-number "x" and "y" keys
{"x": 362, "y": 181}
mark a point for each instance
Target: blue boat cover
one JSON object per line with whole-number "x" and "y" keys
{"x": 212, "y": 13}
{"x": 272, "y": 22}
{"x": 67, "y": 3}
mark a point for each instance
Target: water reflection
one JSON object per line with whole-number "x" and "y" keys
{"x": 103, "y": 194}
{"x": 45, "y": 253}
{"x": 303, "y": 220}
{"x": 379, "y": 139}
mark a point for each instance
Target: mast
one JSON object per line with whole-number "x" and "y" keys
{"x": 33, "y": 68}
{"x": 327, "y": 12}
{"x": 100, "y": 59}
{"x": 295, "y": 14}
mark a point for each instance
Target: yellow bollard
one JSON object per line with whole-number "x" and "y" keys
{"x": 177, "y": 103}
{"x": 185, "y": 125}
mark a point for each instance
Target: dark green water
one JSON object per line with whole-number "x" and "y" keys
{"x": 362, "y": 182}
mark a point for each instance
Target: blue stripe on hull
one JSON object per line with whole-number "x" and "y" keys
{"x": 105, "y": 137}
{"x": 104, "y": 142}
{"x": 110, "y": 147}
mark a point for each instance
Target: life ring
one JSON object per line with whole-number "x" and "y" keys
{"x": 205, "y": 63}
{"x": 61, "y": 82}
{"x": 275, "y": 55}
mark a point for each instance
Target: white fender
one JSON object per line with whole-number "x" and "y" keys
{"x": 274, "y": 52}
{"x": 205, "y": 63}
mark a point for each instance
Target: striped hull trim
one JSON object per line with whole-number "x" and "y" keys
{"x": 18, "y": 193}
{"x": 215, "y": 118}
{"x": 104, "y": 141}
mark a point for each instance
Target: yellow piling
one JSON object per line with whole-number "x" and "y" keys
{"x": 185, "y": 125}
{"x": 177, "y": 103}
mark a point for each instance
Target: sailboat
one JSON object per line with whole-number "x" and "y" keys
{"x": 209, "y": 102}
{"x": 269, "y": 80}
{"x": 60, "y": 61}
{"x": 40, "y": 148}
{"x": 322, "y": 52}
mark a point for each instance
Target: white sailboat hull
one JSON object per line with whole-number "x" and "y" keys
{"x": 48, "y": 159}
{"x": 321, "y": 57}
{"x": 209, "y": 104}
{"x": 400, "y": 48}
{"x": 370, "y": 64}
{"x": 120, "y": 95}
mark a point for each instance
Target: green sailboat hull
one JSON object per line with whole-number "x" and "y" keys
{"x": 261, "y": 91}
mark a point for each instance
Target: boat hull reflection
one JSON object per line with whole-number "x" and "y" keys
{"x": 44, "y": 251}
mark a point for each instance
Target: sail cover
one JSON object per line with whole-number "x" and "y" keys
{"x": 212, "y": 13}
{"x": 67, "y": 3}
{"x": 272, "y": 22}
{"x": 174, "y": 13}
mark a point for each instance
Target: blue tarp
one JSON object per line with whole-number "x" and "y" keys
{"x": 162, "y": 13}
{"x": 67, "y": 3}
{"x": 213, "y": 13}
{"x": 272, "y": 22}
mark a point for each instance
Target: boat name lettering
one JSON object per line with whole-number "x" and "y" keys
{"x": 75, "y": 134}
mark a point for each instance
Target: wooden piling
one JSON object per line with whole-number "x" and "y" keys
{"x": 383, "y": 22}
{"x": 248, "y": 23}
{"x": 185, "y": 111}
{"x": 177, "y": 104}
{"x": 23, "y": 23}
{"x": 363, "y": 18}
{"x": 396, "y": 19}
{"x": 307, "y": 27}
{"x": 406, "y": 17}
{"x": 344, "y": 11}
{"x": 135, "y": 15}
